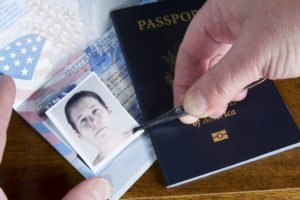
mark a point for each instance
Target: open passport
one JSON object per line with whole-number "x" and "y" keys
{"x": 257, "y": 127}
{"x": 69, "y": 72}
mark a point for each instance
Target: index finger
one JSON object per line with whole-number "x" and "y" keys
{"x": 7, "y": 95}
{"x": 206, "y": 38}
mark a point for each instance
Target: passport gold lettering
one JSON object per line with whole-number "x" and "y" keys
{"x": 166, "y": 20}
{"x": 159, "y": 22}
{"x": 174, "y": 18}
{"x": 229, "y": 113}
{"x": 207, "y": 120}
{"x": 232, "y": 103}
{"x": 197, "y": 123}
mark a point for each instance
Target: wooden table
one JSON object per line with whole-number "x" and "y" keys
{"x": 32, "y": 169}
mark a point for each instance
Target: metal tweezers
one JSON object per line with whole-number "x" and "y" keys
{"x": 177, "y": 112}
{"x": 172, "y": 114}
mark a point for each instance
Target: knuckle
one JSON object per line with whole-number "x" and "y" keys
{"x": 221, "y": 90}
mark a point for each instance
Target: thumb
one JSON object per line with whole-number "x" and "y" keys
{"x": 2, "y": 195}
{"x": 90, "y": 189}
{"x": 7, "y": 95}
{"x": 212, "y": 92}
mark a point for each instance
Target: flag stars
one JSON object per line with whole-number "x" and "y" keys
{"x": 19, "y": 58}
{"x": 12, "y": 55}
{"x": 29, "y": 60}
{"x": 38, "y": 39}
{"x": 6, "y": 68}
{"x": 17, "y": 63}
{"x": 34, "y": 48}
{"x": 23, "y": 51}
{"x": 24, "y": 72}
{"x": 18, "y": 43}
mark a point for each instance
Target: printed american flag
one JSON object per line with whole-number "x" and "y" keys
{"x": 19, "y": 58}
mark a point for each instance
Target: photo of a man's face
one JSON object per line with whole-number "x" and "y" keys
{"x": 92, "y": 120}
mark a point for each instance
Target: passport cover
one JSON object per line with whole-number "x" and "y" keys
{"x": 254, "y": 128}
{"x": 257, "y": 127}
{"x": 149, "y": 36}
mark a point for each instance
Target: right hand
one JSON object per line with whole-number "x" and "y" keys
{"x": 230, "y": 44}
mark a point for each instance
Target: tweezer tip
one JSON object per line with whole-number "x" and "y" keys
{"x": 134, "y": 130}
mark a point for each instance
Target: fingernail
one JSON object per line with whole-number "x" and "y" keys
{"x": 101, "y": 189}
{"x": 188, "y": 119}
{"x": 195, "y": 105}
{"x": 201, "y": 106}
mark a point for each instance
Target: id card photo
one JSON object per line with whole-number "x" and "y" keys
{"x": 93, "y": 122}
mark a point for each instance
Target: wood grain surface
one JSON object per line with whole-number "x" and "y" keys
{"x": 32, "y": 169}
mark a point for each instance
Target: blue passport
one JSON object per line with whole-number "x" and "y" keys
{"x": 254, "y": 128}
{"x": 257, "y": 127}
{"x": 150, "y": 36}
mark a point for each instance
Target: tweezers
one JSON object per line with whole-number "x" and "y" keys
{"x": 172, "y": 114}
{"x": 177, "y": 112}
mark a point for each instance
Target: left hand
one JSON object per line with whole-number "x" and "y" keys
{"x": 91, "y": 189}
{"x": 7, "y": 96}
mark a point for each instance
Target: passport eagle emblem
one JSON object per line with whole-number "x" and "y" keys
{"x": 220, "y": 135}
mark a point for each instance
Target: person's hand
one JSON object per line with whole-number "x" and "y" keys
{"x": 91, "y": 189}
{"x": 7, "y": 96}
{"x": 230, "y": 44}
